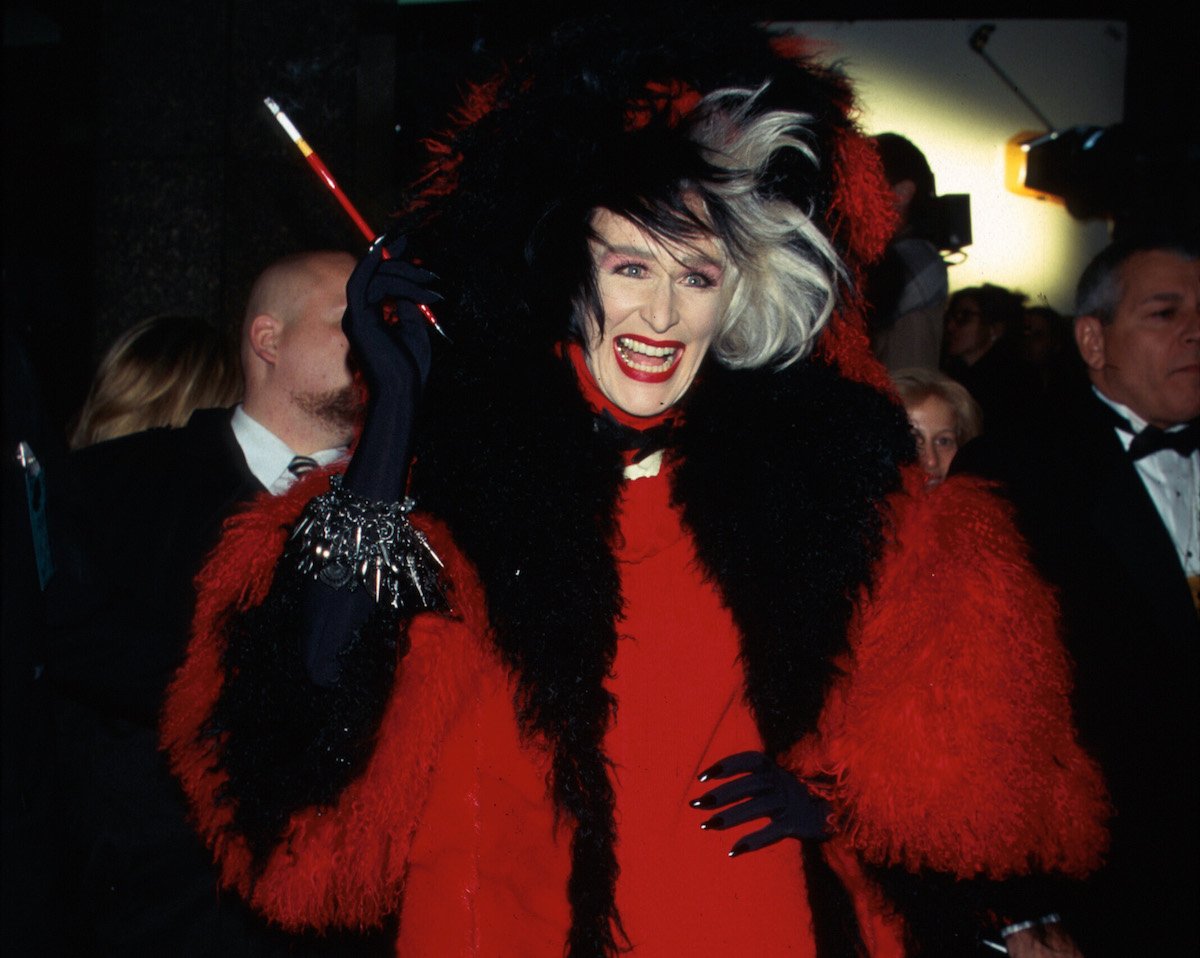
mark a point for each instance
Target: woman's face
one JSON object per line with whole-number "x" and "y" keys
{"x": 968, "y": 336}
{"x": 663, "y": 305}
{"x": 935, "y": 427}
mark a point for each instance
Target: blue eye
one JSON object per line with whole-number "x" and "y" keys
{"x": 632, "y": 270}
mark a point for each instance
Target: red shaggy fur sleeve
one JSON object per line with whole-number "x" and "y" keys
{"x": 950, "y": 741}
{"x": 341, "y": 866}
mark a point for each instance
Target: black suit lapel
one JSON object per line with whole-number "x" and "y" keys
{"x": 1125, "y": 518}
{"x": 219, "y": 463}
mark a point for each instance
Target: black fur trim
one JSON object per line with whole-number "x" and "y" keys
{"x": 308, "y": 742}
{"x": 835, "y": 924}
{"x": 528, "y": 489}
{"x": 507, "y": 456}
{"x": 782, "y": 480}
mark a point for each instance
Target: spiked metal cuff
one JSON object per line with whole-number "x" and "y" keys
{"x": 344, "y": 540}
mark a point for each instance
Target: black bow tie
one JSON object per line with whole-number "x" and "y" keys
{"x": 1152, "y": 439}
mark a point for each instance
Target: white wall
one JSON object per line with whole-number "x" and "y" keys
{"x": 922, "y": 79}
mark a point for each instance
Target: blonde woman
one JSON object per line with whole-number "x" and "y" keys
{"x": 943, "y": 417}
{"x": 157, "y": 373}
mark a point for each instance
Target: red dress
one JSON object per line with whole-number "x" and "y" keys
{"x": 680, "y": 708}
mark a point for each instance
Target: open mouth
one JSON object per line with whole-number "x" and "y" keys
{"x": 647, "y": 360}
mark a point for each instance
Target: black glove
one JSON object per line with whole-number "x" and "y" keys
{"x": 393, "y": 358}
{"x": 765, "y": 790}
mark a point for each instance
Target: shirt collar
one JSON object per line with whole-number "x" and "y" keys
{"x": 266, "y": 454}
{"x": 1136, "y": 422}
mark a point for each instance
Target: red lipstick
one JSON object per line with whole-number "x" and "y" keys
{"x": 647, "y": 360}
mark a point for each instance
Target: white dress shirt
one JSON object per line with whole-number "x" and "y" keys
{"x": 268, "y": 456}
{"x": 1173, "y": 482}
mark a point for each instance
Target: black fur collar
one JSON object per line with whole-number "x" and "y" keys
{"x": 781, "y": 480}
{"x": 781, "y": 477}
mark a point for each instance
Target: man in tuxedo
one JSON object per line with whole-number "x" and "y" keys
{"x": 1108, "y": 494}
{"x": 144, "y": 511}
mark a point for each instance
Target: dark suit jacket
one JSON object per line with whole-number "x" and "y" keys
{"x": 143, "y": 512}
{"x": 1134, "y": 634}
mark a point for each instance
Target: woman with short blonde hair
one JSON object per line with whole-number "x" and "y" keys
{"x": 943, "y": 414}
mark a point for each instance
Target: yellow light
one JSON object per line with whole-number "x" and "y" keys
{"x": 1016, "y": 153}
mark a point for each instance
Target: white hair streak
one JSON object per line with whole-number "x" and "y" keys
{"x": 786, "y": 272}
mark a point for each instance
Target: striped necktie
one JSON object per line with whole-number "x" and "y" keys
{"x": 301, "y": 464}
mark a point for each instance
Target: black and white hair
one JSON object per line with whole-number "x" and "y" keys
{"x": 786, "y": 272}
{"x": 783, "y": 271}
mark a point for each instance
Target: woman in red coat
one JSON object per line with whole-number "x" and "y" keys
{"x": 678, "y": 653}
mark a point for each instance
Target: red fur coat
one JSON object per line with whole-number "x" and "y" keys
{"x": 947, "y": 745}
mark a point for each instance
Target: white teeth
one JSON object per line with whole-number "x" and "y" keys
{"x": 636, "y": 346}
{"x": 632, "y": 349}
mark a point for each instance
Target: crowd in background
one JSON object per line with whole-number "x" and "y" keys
{"x": 1004, "y": 363}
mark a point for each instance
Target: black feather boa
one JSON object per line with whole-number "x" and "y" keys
{"x": 782, "y": 476}
{"x": 295, "y": 745}
{"x": 781, "y": 481}
{"x": 528, "y": 489}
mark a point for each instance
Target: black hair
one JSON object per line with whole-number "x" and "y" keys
{"x": 902, "y": 160}
{"x": 997, "y": 305}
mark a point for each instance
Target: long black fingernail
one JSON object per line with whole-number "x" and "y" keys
{"x": 704, "y": 801}
{"x": 739, "y": 849}
{"x": 717, "y": 821}
{"x": 710, "y": 772}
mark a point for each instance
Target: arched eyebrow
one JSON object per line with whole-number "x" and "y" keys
{"x": 699, "y": 259}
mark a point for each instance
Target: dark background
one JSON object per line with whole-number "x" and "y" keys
{"x": 142, "y": 173}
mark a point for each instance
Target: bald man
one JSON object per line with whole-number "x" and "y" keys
{"x": 148, "y": 507}
{"x": 294, "y": 355}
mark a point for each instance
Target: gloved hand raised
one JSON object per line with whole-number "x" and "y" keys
{"x": 393, "y": 357}
{"x": 764, "y": 790}
{"x": 373, "y": 554}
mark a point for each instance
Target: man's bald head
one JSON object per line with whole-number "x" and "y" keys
{"x": 283, "y": 288}
{"x": 294, "y": 355}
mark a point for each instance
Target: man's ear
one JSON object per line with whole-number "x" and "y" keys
{"x": 264, "y": 337}
{"x": 1089, "y": 337}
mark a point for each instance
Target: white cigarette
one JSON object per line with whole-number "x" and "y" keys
{"x": 284, "y": 122}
